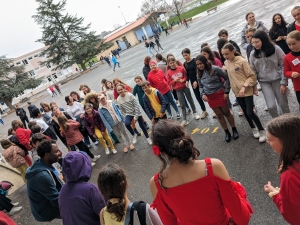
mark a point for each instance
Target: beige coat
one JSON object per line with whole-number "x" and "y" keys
{"x": 15, "y": 156}
{"x": 240, "y": 74}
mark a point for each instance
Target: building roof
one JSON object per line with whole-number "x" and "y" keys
{"x": 126, "y": 28}
{"x": 29, "y": 54}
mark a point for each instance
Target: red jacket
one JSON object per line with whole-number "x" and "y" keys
{"x": 5, "y": 219}
{"x": 289, "y": 68}
{"x": 73, "y": 135}
{"x": 23, "y": 136}
{"x": 180, "y": 73}
{"x": 158, "y": 80}
{"x": 92, "y": 122}
{"x": 288, "y": 199}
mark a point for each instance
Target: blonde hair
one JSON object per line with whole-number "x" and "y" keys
{"x": 63, "y": 122}
{"x": 294, "y": 35}
{"x": 15, "y": 124}
{"x": 5, "y": 143}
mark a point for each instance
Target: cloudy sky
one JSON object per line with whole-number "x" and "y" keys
{"x": 19, "y": 31}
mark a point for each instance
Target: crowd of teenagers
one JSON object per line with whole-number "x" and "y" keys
{"x": 58, "y": 186}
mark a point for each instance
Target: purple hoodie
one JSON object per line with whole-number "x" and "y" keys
{"x": 79, "y": 201}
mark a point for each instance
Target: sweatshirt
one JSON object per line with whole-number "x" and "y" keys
{"x": 15, "y": 156}
{"x": 269, "y": 68}
{"x": 292, "y": 64}
{"x": 288, "y": 199}
{"x": 212, "y": 83}
{"x": 75, "y": 110}
{"x": 158, "y": 80}
{"x": 259, "y": 25}
{"x": 129, "y": 105}
{"x": 155, "y": 103}
{"x": 140, "y": 93}
{"x": 163, "y": 66}
{"x": 173, "y": 74}
{"x": 240, "y": 74}
{"x": 191, "y": 70}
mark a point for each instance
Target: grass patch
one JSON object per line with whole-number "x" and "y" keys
{"x": 87, "y": 63}
{"x": 195, "y": 11}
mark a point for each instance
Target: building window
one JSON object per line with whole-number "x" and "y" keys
{"x": 35, "y": 56}
{"x": 12, "y": 65}
{"x": 30, "y": 58}
{"x": 18, "y": 63}
{"x": 32, "y": 73}
{"x": 36, "y": 69}
{"x": 49, "y": 79}
{"x": 42, "y": 55}
{"x": 25, "y": 62}
{"x": 54, "y": 75}
{"x": 59, "y": 74}
{"x": 63, "y": 59}
{"x": 42, "y": 66}
{"x": 48, "y": 66}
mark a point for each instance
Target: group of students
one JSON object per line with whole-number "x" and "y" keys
{"x": 183, "y": 181}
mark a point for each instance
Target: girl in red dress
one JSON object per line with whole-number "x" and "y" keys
{"x": 192, "y": 191}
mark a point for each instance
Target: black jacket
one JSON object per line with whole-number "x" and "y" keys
{"x": 30, "y": 108}
{"x": 291, "y": 27}
{"x": 21, "y": 113}
{"x": 146, "y": 70}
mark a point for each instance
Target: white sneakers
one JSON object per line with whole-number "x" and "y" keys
{"x": 197, "y": 117}
{"x": 184, "y": 123}
{"x": 149, "y": 141}
{"x": 14, "y": 210}
{"x": 96, "y": 157}
{"x": 261, "y": 135}
{"x": 107, "y": 151}
{"x": 96, "y": 142}
{"x": 134, "y": 139}
{"x": 114, "y": 151}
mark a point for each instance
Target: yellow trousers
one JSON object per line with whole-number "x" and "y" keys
{"x": 101, "y": 137}
{"x": 22, "y": 169}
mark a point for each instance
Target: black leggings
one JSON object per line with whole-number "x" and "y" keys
{"x": 198, "y": 97}
{"x": 5, "y": 203}
{"x": 82, "y": 147}
{"x": 247, "y": 104}
{"x": 175, "y": 94}
{"x": 298, "y": 96}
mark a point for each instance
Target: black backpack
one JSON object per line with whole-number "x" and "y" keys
{"x": 140, "y": 208}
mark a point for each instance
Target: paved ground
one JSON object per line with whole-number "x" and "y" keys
{"x": 247, "y": 161}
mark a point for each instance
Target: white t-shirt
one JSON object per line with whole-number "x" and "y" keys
{"x": 41, "y": 123}
{"x": 75, "y": 110}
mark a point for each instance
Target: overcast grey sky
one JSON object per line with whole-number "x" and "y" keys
{"x": 19, "y": 31}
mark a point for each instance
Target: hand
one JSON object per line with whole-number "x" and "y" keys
{"x": 224, "y": 68}
{"x": 152, "y": 121}
{"x": 177, "y": 79}
{"x": 94, "y": 136}
{"x": 81, "y": 115}
{"x": 61, "y": 176}
{"x": 103, "y": 133}
{"x": 242, "y": 92}
{"x": 195, "y": 84}
{"x": 225, "y": 97}
{"x": 282, "y": 89}
{"x": 255, "y": 90}
{"x": 279, "y": 38}
{"x": 187, "y": 84}
{"x": 268, "y": 187}
{"x": 182, "y": 80}
{"x": 295, "y": 74}
{"x": 204, "y": 98}
{"x": 161, "y": 115}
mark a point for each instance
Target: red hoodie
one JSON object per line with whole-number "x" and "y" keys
{"x": 288, "y": 199}
{"x": 158, "y": 80}
{"x": 23, "y": 136}
{"x": 291, "y": 65}
{"x": 180, "y": 73}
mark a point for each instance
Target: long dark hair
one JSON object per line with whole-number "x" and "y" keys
{"x": 274, "y": 31}
{"x": 287, "y": 129}
{"x": 160, "y": 57}
{"x": 112, "y": 183}
{"x": 210, "y": 53}
{"x": 267, "y": 47}
{"x": 174, "y": 142}
{"x": 207, "y": 65}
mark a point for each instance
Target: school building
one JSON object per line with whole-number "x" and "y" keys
{"x": 131, "y": 33}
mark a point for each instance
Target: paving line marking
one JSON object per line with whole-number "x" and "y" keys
{"x": 195, "y": 131}
{"x": 215, "y": 130}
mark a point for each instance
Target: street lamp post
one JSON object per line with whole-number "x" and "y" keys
{"x": 122, "y": 14}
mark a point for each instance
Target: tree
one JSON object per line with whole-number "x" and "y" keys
{"x": 175, "y": 6}
{"x": 68, "y": 40}
{"x": 150, "y": 7}
{"x": 13, "y": 81}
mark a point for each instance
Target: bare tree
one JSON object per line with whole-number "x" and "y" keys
{"x": 175, "y": 6}
{"x": 150, "y": 7}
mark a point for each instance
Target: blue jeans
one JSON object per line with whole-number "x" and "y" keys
{"x": 128, "y": 120}
{"x": 116, "y": 64}
{"x": 149, "y": 51}
{"x": 170, "y": 100}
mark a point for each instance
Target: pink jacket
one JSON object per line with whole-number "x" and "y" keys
{"x": 15, "y": 156}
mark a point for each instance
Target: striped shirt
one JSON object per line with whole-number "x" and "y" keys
{"x": 129, "y": 105}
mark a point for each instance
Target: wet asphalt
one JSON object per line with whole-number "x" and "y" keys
{"x": 247, "y": 161}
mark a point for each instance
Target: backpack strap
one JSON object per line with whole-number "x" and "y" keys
{"x": 209, "y": 169}
{"x": 157, "y": 182}
{"x": 140, "y": 207}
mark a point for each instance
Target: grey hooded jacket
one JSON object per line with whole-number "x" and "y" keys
{"x": 259, "y": 25}
{"x": 269, "y": 68}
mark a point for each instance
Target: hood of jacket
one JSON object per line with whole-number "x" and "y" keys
{"x": 89, "y": 96}
{"x": 36, "y": 168}
{"x": 77, "y": 167}
{"x": 258, "y": 23}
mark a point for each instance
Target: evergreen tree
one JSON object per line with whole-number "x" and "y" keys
{"x": 13, "y": 81}
{"x": 68, "y": 40}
